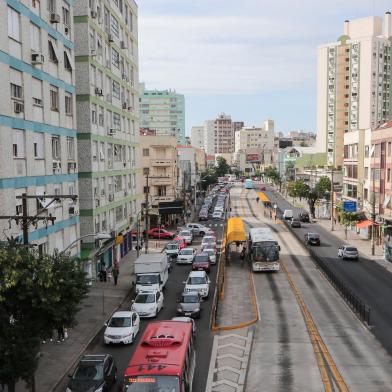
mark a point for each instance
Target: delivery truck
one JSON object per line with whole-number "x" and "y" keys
{"x": 151, "y": 270}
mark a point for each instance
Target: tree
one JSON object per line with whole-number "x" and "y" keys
{"x": 37, "y": 295}
{"x": 320, "y": 191}
{"x": 299, "y": 189}
{"x": 208, "y": 178}
{"x": 347, "y": 219}
{"x": 222, "y": 167}
{"x": 303, "y": 144}
{"x": 272, "y": 174}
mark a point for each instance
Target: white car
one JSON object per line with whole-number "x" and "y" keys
{"x": 198, "y": 229}
{"x": 148, "y": 304}
{"x": 186, "y": 256}
{"x": 122, "y": 328}
{"x": 184, "y": 319}
{"x": 187, "y": 235}
{"x": 172, "y": 249}
{"x": 348, "y": 252}
{"x": 217, "y": 215}
{"x": 198, "y": 281}
{"x": 211, "y": 254}
{"x": 208, "y": 241}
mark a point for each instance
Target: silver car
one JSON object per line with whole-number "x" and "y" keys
{"x": 348, "y": 252}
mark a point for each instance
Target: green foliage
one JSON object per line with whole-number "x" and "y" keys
{"x": 222, "y": 167}
{"x": 272, "y": 174}
{"x": 37, "y": 295}
{"x": 323, "y": 187}
{"x": 210, "y": 176}
{"x": 347, "y": 219}
{"x": 299, "y": 189}
{"x": 303, "y": 144}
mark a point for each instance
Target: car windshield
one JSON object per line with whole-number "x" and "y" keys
{"x": 351, "y": 249}
{"x": 147, "y": 279}
{"x": 208, "y": 240}
{"x": 186, "y": 252}
{"x": 120, "y": 322}
{"x": 190, "y": 299}
{"x": 145, "y": 298}
{"x": 314, "y": 236}
{"x": 201, "y": 259}
{"x": 185, "y": 233}
{"x": 197, "y": 280}
{"x": 88, "y": 371}
{"x": 152, "y": 384}
{"x": 172, "y": 246}
{"x": 210, "y": 252}
{"x": 267, "y": 252}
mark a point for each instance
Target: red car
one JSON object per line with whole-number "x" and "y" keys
{"x": 160, "y": 233}
{"x": 181, "y": 242}
{"x": 201, "y": 262}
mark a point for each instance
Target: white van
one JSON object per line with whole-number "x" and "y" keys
{"x": 288, "y": 214}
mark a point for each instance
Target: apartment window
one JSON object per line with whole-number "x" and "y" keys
{"x": 115, "y": 58}
{"x": 366, "y": 173}
{"x": 146, "y": 171}
{"x": 161, "y": 191}
{"x": 70, "y": 148}
{"x": 117, "y": 153}
{"x": 68, "y": 104}
{"x": 119, "y": 214}
{"x": 389, "y": 175}
{"x": 366, "y": 151}
{"x": 39, "y": 145}
{"x": 117, "y": 183}
{"x": 116, "y": 89}
{"x": 67, "y": 62}
{"x": 54, "y": 98}
{"x": 37, "y": 92}
{"x": 146, "y": 152}
{"x": 66, "y": 18}
{"x": 52, "y": 5}
{"x": 389, "y": 149}
{"x": 13, "y": 24}
{"x": 56, "y": 151}
{"x": 52, "y": 51}
{"x": 94, "y": 113}
{"x": 116, "y": 121}
{"x": 101, "y": 117}
{"x": 102, "y": 151}
{"x": 95, "y": 150}
{"x": 35, "y": 38}
{"x": 114, "y": 26}
{"x": 18, "y": 143}
{"x": 16, "y": 91}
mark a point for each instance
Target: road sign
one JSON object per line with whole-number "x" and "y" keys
{"x": 350, "y": 206}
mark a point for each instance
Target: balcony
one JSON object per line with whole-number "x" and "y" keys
{"x": 161, "y": 162}
{"x": 165, "y": 180}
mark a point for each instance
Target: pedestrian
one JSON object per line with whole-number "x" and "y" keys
{"x": 60, "y": 334}
{"x": 243, "y": 255}
{"x": 270, "y": 214}
{"x": 101, "y": 272}
{"x": 176, "y": 221}
{"x": 116, "y": 272}
{"x": 109, "y": 274}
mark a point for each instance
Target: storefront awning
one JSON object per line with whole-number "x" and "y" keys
{"x": 171, "y": 207}
{"x": 365, "y": 223}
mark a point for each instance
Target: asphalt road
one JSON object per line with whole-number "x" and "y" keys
{"x": 174, "y": 288}
{"x": 368, "y": 280}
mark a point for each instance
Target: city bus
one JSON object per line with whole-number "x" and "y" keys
{"x": 263, "y": 250}
{"x": 164, "y": 359}
{"x": 248, "y": 183}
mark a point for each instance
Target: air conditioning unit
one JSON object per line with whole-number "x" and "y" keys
{"x": 98, "y": 91}
{"x": 111, "y": 131}
{"x": 37, "y": 58}
{"x": 18, "y": 107}
{"x": 111, "y": 197}
{"x": 72, "y": 210}
{"x": 93, "y": 52}
{"x": 54, "y": 18}
{"x": 66, "y": 30}
{"x": 110, "y": 37}
{"x": 94, "y": 14}
{"x": 123, "y": 45}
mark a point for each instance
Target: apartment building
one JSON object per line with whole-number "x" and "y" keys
{"x": 197, "y": 137}
{"x": 164, "y": 112}
{"x": 37, "y": 121}
{"x": 106, "y": 39}
{"x": 353, "y": 83}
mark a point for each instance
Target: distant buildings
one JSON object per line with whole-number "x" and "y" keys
{"x": 197, "y": 137}
{"x": 163, "y": 111}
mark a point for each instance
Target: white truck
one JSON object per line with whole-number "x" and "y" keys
{"x": 151, "y": 270}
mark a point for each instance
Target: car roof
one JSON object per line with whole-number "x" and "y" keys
{"x": 123, "y": 313}
{"x": 94, "y": 357}
{"x": 189, "y": 293}
{"x": 208, "y": 236}
{"x": 148, "y": 292}
{"x": 197, "y": 273}
{"x": 188, "y": 248}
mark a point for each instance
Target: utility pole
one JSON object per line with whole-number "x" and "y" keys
{"x": 146, "y": 215}
{"x": 332, "y": 217}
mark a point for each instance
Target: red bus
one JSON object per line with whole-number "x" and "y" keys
{"x": 164, "y": 359}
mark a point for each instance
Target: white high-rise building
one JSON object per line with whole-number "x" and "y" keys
{"x": 197, "y": 137}
{"x": 353, "y": 83}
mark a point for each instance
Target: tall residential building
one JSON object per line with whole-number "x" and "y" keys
{"x": 106, "y": 39}
{"x": 37, "y": 121}
{"x": 353, "y": 83}
{"x": 164, "y": 112}
{"x": 197, "y": 137}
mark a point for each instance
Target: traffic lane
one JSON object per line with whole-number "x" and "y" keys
{"x": 204, "y": 337}
{"x": 282, "y": 203}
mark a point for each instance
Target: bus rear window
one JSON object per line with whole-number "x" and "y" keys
{"x": 152, "y": 384}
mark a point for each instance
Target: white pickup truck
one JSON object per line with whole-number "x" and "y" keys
{"x": 152, "y": 271}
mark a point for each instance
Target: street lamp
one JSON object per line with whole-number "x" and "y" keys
{"x": 99, "y": 236}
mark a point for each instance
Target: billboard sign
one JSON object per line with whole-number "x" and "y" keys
{"x": 350, "y": 206}
{"x": 253, "y": 158}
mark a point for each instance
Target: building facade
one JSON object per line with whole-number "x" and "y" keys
{"x": 38, "y": 121}
{"x": 164, "y": 112}
{"x": 197, "y": 137}
{"x": 353, "y": 84}
{"x": 107, "y": 123}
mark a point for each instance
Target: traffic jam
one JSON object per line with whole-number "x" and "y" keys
{"x": 164, "y": 355}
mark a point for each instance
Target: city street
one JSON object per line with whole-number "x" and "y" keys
{"x": 174, "y": 287}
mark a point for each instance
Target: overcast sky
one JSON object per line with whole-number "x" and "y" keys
{"x": 253, "y": 59}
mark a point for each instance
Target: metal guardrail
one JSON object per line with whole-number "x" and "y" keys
{"x": 361, "y": 309}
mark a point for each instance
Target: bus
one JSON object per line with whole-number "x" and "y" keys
{"x": 164, "y": 359}
{"x": 248, "y": 183}
{"x": 263, "y": 250}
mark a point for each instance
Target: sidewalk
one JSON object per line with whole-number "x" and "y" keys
{"x": 101, "y": 301}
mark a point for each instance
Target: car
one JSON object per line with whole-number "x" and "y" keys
{"x": 201, "y": 262}
{"x": 295, "y": 222}
{"x": 172, "y": 249}
{"x": 189, "y": 304}
{"x": 203, "y": 215}
{"x": 197, "y": 229}
{"x": 348, "y": 252}
{"x": 208, "y": 241}
{"x": 96, "y": 372}
{"x": 218, "y": 208}
{"x": 160, "y": 233}
{"x": 186, "y": 256}
{"x": 122, "y": 328}
{"x": 180, "y": 241}
{"x": 211, "y": 254}
{"x": 217, "y": 215}
{"x": 187, "y": 235}
{"x": 148, "y": 304}
{"x": 288, "y": 214}
{"x": 198, "y": 281}
{"x": 312, "y": 239}
{"x": 304, "y": 217}
{"x": 186, "y": 320}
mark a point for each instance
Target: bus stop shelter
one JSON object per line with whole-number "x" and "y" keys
{"x": 235, "y": 231}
